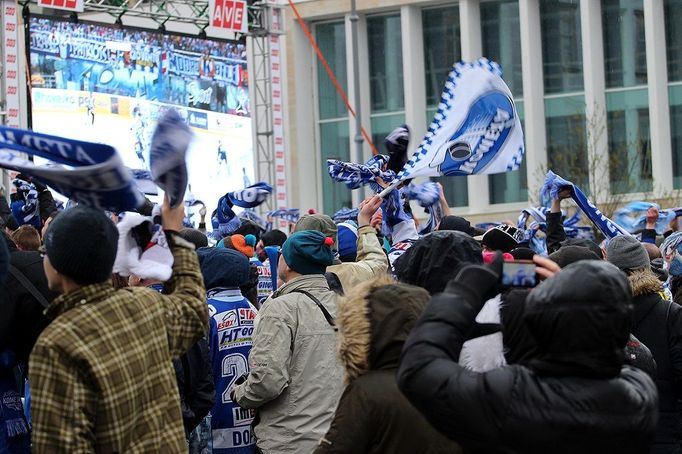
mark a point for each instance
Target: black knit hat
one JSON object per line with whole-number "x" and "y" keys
{"x": 81, "y": 244}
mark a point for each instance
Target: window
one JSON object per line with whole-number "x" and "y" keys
{"x": 567, "y": 139}
{"x": 561, "y": 45}
{"x": 500, "y": 31}
{"x": 333, "y": 116}
{"x": 675, "y": 93}
{"x": 624, "y": 44}
{"x": 501, "y": 34}
{"x": 629, "y": 149}
{"x": 385, "y": 76}
{"x": 673, "y": 38}
{"x": 442, "y": 49}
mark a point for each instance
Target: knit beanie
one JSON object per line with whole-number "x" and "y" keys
{"x": 308, "y": 252}
{"x": 244, "y": 244}
{"x": 571, "y": 254}
{"x": 627, "y": 253}
{"x": 321, "y": 223}
{"x": 348, "y": 241}
{"x": 81, "y": 244}
{"x": 222, "y": 267}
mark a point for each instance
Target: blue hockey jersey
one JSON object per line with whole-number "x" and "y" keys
{"x": 231, "y": 332}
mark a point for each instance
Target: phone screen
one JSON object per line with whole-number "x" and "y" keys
{"x": 519, "y": 273}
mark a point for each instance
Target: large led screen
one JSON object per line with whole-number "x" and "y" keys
{"x": 106, "y": 84}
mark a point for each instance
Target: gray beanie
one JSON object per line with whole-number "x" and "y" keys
{"x": 627, "y": 253}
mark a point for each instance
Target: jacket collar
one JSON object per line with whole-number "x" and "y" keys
{"x": 84, "y": 295}
{"x": 644, "y": 304}
{"x": 307, "y": 282}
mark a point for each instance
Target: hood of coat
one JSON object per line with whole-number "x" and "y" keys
{"x": 644, "y": 282}
{"x": 433, "y": 260}
{"x": 374, "y": 322}
{"x": 580, "y": 319}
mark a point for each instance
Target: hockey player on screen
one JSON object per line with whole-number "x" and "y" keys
{"x": 222, "y": 153}
{"x": 90, "y": 105}
{"x": 138, "y": 128}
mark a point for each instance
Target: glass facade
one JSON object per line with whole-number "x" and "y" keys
{"x": 442, "y": 48}
{"x": 385, "y": 63}
{"x": 333, "y": 124}
{"x": 675, "y": 94}
{"x": 673, "y": 38}
{"x": 562, "y": 56}
{"x": 567, "y": 139}
{"x": 624, "y": 44}
{"x": 501, "y": 40}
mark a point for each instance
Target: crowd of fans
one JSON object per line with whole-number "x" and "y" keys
{"x": 132, "y": 333}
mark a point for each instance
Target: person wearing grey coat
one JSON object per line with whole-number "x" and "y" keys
{"x": 295, "y": 379}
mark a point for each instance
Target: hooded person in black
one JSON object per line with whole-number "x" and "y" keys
{"x": 372, "y": 415}
{"x": 574, "y": 396}
{"x": 434, "y": 259}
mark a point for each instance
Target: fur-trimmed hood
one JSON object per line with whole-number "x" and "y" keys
{"x": 374, "y": 321}
{"x": 644, "y": 282}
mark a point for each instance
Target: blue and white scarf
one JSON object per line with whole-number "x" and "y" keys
{"x": 90, "y": 173}
{"x": 632, "y": 217}
{"x": 170, "y": 142}
{"x": 224, "y": 220}
{"x": 671, "y": 249}
{"x": 288, "y": 214}
{"x": 355, "y": 175}
{"x": 26, "y": 210}
{"x": 554, "y": 184}
{"x": 346, "y": 214}
{"x": 252, "y": 196}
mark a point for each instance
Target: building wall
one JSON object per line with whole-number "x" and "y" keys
{"x": 598, "y": 85}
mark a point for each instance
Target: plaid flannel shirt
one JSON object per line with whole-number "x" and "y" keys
{"x": 101, "y": 373}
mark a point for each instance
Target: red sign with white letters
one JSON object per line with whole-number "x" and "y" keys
{"x": 69, "y": 5}
{"x": 228, "y": 15}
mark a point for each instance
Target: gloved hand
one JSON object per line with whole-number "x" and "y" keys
{"x": 478, "y": 283}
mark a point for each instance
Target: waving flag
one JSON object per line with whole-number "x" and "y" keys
{"x": 89, "y": 173}
{"x": 169, "y": 146}
{"x": 476, "y": 129}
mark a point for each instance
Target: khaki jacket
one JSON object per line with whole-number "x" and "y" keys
{"x": 295, "y": 379}
{"x": 371, "y": 261}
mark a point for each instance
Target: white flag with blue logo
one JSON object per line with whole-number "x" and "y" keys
{"x": 476, "y": 129}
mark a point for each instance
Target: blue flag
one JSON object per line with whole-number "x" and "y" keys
{"x": 169, "y": 146}
{"x": 476, "y": 129}
{"x": 89, "y": 173}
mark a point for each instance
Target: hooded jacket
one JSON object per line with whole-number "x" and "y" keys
{"x": 658, "y": 324}
{"x": 575, "y": 395}
{"x": 295, "y": 379}
{"x": 373, "y": 416}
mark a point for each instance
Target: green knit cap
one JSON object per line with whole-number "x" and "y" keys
{"x": 308, "y": 252}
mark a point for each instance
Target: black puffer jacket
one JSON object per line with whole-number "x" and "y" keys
{"x": 575, "y": 396}
{"x": 658, "y": 323}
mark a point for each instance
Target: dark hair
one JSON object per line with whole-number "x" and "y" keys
{"x": 274, "y": 238}
{"x": 249, "y": 227}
